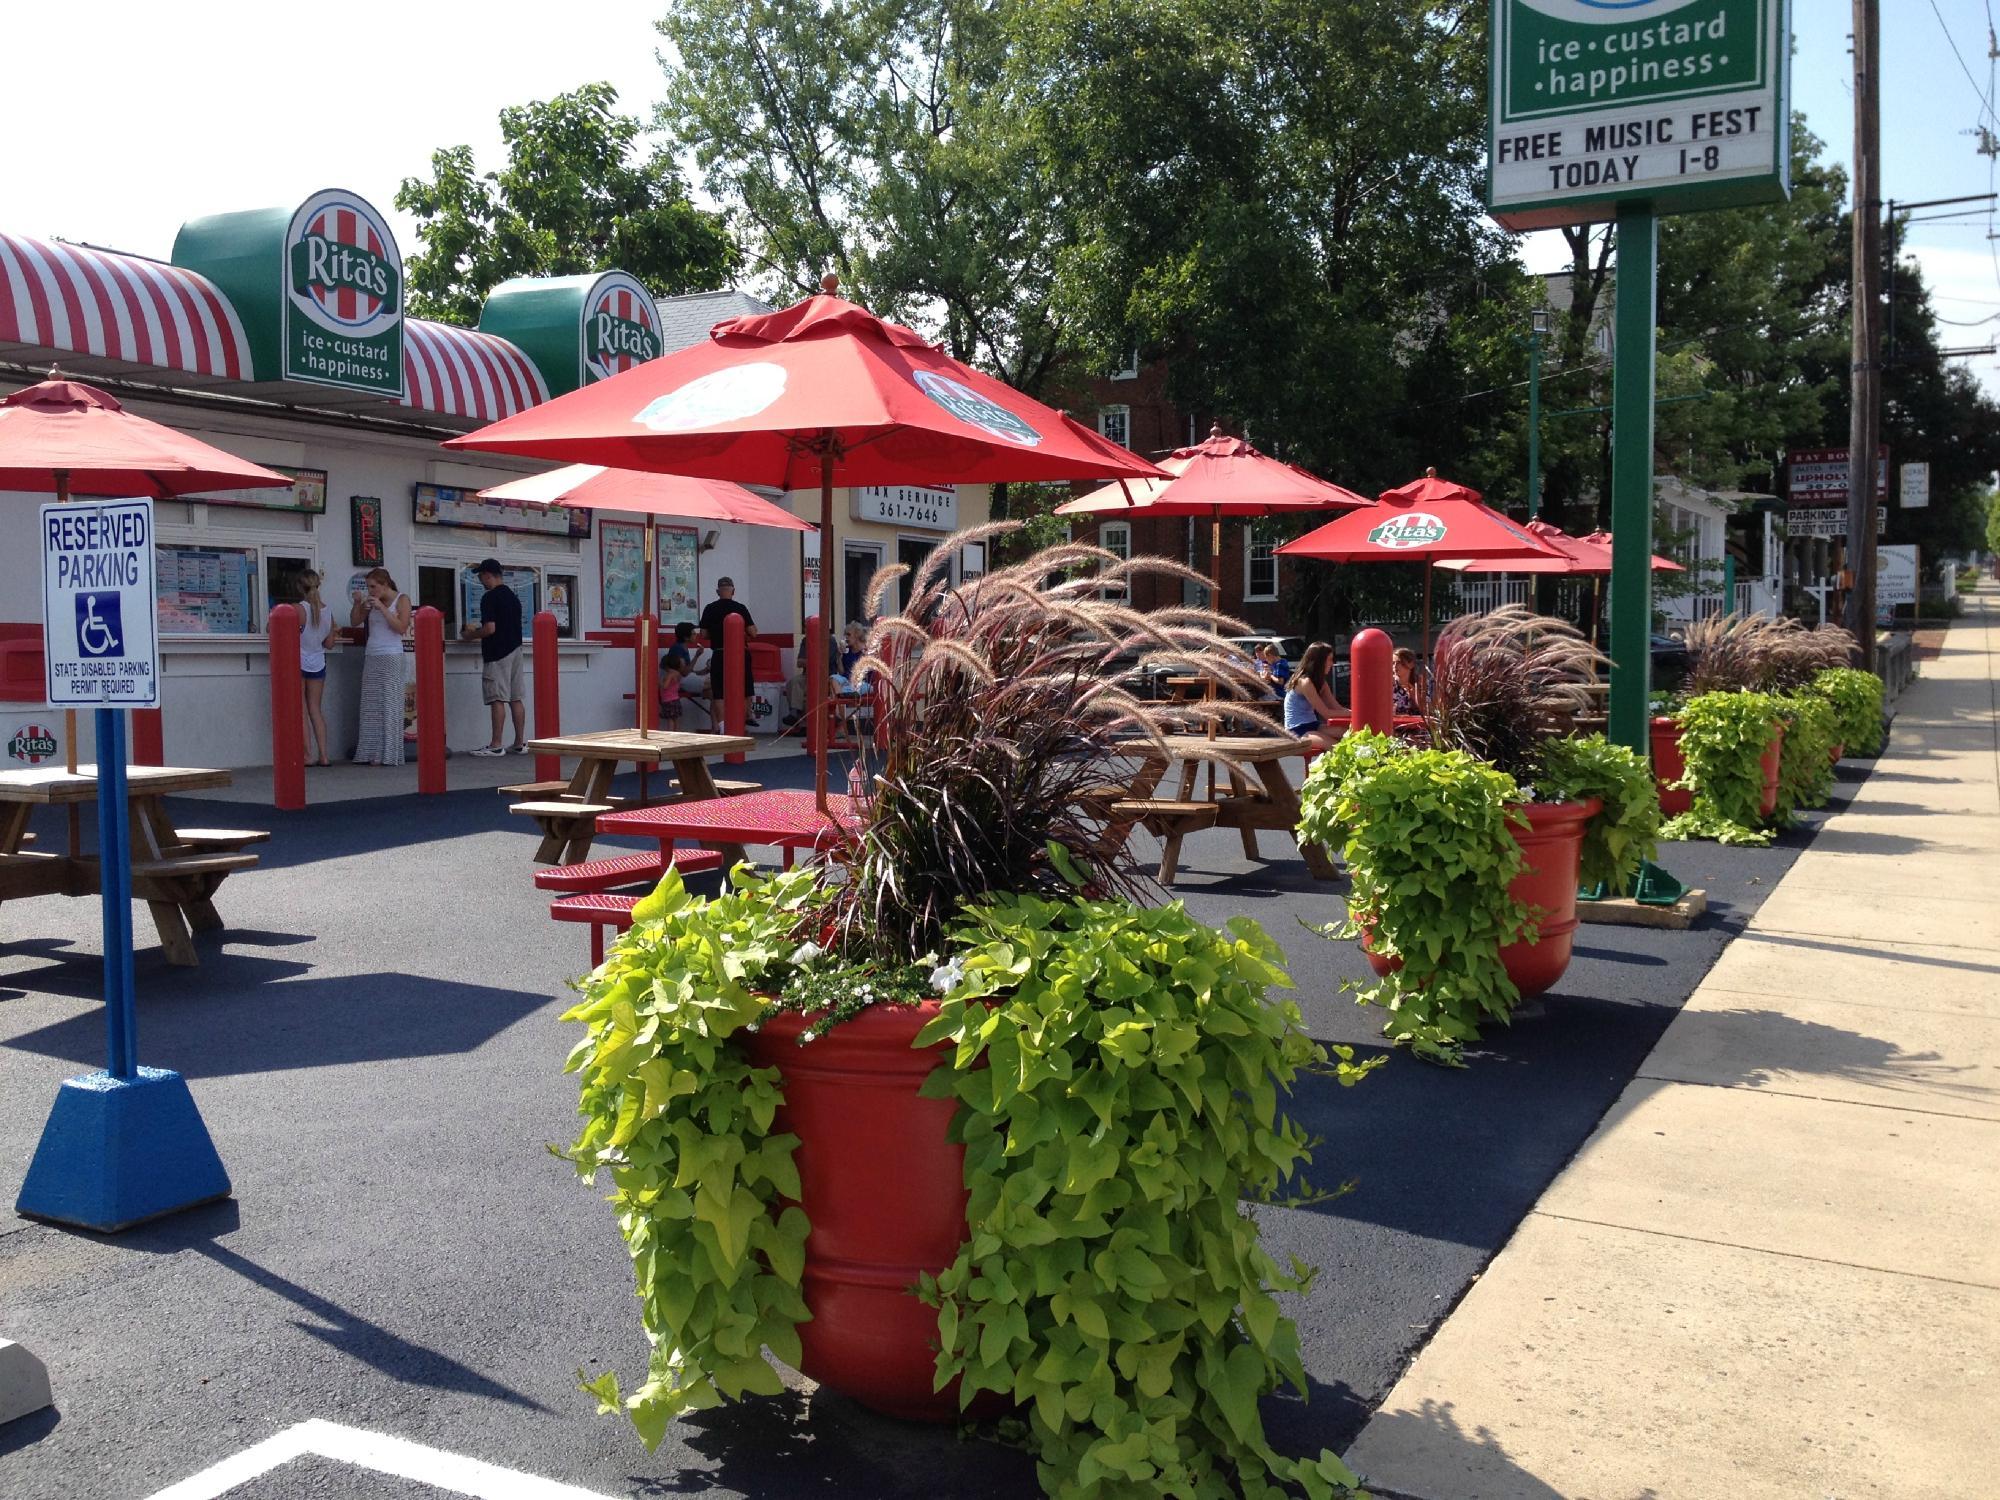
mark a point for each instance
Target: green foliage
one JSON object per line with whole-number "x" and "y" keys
{"x": 1625, "y": 831}
{"x": 681, "y": 1122}
{"x": 575, "y": 195}
{"x": 1723, "y": 740}
{"x": 1856, "y": 697}
{"x": 1117, "y": 1102}
{"x": 1429, "y": 854}
{"x": 1805, "y": 765}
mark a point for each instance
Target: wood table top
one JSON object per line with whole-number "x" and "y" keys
{"x": 651, "y": 747}
{"x": 1248, "y": 748}
{"x": 53, "y": 784}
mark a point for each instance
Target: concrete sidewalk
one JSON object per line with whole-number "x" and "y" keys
{"x": 1774, "y": 1269}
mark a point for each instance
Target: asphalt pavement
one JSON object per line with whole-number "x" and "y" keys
{"x": 373, "y": 1044}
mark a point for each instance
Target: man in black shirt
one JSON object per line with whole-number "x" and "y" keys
{"x": 719, "y": 609}
{"x": 502, "y": 674}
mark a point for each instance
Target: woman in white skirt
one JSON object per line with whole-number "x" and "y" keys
{"x": 387, "y": 615}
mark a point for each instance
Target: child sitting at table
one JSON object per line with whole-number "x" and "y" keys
{"x": 1273, "y": 668}
{"x": 670, "y": 691}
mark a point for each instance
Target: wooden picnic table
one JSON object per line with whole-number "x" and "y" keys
{"x": 568, "y": 820}
{"x": 176, "y": 872}
{"x": 1269, "y": 803}
{"x": 780, "y": 816}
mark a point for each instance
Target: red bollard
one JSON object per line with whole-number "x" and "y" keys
{"x": 1371, "y": 676}
{"x": 430, "y": 700}
{"x": 148, "y": 738}
{"x": 646, "y": 670}
{"x": 735, "y": 691}
{"x": 288, "y": 710}
{"x": 548, "y": 695}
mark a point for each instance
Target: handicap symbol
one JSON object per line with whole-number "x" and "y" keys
{"x": 95, "y": 635}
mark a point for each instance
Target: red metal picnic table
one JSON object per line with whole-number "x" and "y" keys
{"x": 778, "y": 816}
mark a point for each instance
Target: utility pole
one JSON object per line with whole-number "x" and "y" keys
{"x": 1865, "y": 298}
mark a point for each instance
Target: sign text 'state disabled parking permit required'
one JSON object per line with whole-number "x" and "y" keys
{"x": 98, "y": 604}
{"x": 1682, "y": 103}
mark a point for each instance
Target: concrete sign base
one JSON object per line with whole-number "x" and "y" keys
{"x": 116, "y": 1152}
{"x": 24, "y": 1382}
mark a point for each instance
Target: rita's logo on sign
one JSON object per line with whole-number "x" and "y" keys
{"x": 343, "y": 296}
{"x": 1417, "y": 529}
{"x": 32, "y": 743}
{"x": 963, "y": 402}
{"x": 621, "y": 327}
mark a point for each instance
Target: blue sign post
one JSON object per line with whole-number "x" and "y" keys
{"x": 126, "y": 1144}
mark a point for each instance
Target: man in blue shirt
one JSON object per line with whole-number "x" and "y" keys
{"x": 502, "y": 677}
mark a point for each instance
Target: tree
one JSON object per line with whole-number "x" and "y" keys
{"x": 583, "y": 189}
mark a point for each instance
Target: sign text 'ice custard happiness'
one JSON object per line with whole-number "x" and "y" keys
{"x": 343, "y": 303}
{"x": 1680, "y": 102}
{"x": 98, "y": 635}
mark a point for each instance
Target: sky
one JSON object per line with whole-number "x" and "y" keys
{"x": 205, "y": 106}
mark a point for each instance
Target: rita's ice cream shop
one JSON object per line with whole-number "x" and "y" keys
{"x": 280, "y": 335}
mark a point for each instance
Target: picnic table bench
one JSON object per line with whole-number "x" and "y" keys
{"x": 568, "y": 820}
{"x": 1249, "y": 792}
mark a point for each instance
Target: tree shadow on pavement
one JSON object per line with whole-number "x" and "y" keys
{"x": 78, "y": 972}
{"x": 1714, "y": 1047}
{"x": 210, "y": 1032}
{"x": 1901, "y": 955}
{"x": 1432, "y": 1442}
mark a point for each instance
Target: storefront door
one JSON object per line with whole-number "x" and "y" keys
{"x": 860, "y": 561}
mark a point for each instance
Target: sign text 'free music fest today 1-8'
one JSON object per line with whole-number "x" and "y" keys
{"x": 1683, "y": 103}
{"x": 98, "y": 604}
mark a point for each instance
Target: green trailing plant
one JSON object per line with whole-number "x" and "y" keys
{"x": 1119, "y": 1075}
{"x": 1805, "y": 765}
{"x": 1856, "y": 697}
{"x": 1626, "y": 830}
{"x": 1723, "y": 737}
{"x": 1429, "y": 857}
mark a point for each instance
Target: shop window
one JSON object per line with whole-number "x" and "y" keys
{"x": 437, "y": 586}
{"x": 913, "y": 552}
{"x": 563, "y": 604}
{"x": 283, "y": 580}
{"x": 207, "y": 590}
{"x": 1130, "y": 369}
{"x": 1115, "y": 423}
{"x": 1260, "y": 564}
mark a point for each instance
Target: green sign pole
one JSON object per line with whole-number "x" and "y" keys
{"x": 1534, "y": 424}
{"x": 1632, "y": 476}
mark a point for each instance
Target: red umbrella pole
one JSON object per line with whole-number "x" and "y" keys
{"x": 1427, "y": 610}
{"x": 816, "y": 686}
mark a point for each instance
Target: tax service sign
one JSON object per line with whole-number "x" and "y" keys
{"x": 1680, "y": 103}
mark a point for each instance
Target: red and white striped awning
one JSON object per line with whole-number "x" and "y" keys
{"x": 137, "y": 312}
{"x": 461, "y": 372}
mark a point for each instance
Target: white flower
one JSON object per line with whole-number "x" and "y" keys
{"x": 806, "y": 953}
{"x": 807, "y": 1036}
{"x": 947, "y": 976}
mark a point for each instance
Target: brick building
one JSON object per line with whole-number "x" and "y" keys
{"x": 1132, "y": 408}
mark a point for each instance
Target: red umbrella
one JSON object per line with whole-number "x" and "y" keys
{"x": 823, "y": 391}
{"x": 1601, "y": 540}
{"x": 1428, "y": 520}
{"x": 67, "y": 438}
{"x": 1220, "y": 476}
{"x": 1581, "y": 555}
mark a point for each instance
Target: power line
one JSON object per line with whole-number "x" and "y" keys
{"x": 1985, "y": 105}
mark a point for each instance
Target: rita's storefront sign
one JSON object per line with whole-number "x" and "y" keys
{"x": 1681, "y": 102}
{"x": 577, "y": 329}
{"x": 319, "y": 288}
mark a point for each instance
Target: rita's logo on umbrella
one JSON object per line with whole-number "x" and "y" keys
{"x": 32, "y": 743}
{"x": 1417, "y": 529}
{"x": 621, "y": 327}
{"x": 721, "y": 396}
{"x": 345, "y": 272}
{"x": 963, "y": 402}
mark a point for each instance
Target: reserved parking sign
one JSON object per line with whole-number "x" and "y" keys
{"x": 98, "y": 611}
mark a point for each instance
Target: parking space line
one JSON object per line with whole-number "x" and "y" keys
{"x": 394, "y": 1456}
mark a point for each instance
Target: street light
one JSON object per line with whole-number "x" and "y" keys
{"x": 1540, "y": 322}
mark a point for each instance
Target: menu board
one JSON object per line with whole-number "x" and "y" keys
{"x": 621, "y": 555}
{"x": 525, "y": 583}
{"x": 206, "y": 590}
{"x": 438, "y": 505}
{"x": 678, "y": 557}
{"x": 306, "y": 494}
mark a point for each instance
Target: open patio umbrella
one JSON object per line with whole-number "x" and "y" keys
{"x": 1581, "y": 555}
{"x": 822, "y": 392}
{"x": 65, "y": 438}
{"x": 593, "y": 487}
{"x": 1221, "y": 476}
{"x": 1428, "y": 520}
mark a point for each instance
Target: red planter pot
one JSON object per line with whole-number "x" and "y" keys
{"x": 1552, "y": 843}
{"x": 885, "y": 1191}
{"x": 1668, "y": 765}
{"x": 1836, "y": 753}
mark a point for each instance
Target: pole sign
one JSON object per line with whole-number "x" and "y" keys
{"x": 1817, "y": 477}
{"x": 1683, "y": 103}
{"x": 98, "y": 604}
{"x": 343, "y": 303}
{"x": 1826, "y": 521}
{"x": 1895, "y": 576}
{"x": 1916, "y": 486}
